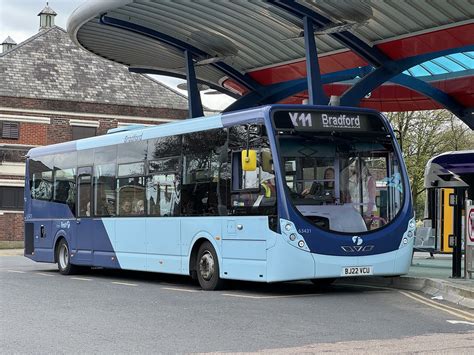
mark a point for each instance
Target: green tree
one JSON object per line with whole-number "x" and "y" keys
{"x": 425, "y": 134}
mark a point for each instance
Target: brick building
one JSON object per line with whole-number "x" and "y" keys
{"x": 51, "y": 91}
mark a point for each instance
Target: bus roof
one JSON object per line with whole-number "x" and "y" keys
{"x": 227, "y": 119}
{"x": 167, "y": 129}
{"x": 449, "y": 169}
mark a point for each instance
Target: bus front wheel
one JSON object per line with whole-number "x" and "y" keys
{"x": 207, "y": 267}
{"x": 63, "y": 256}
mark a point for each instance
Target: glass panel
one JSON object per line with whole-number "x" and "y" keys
{"x": 132, "y": 152}
{"x": 79, "y": 132}
{"x": 104, "y": 181}
{"x": 131, "y": 196}
{"x": 253, "y": 192}
{"x": 344, "y": 183}
{"x": 41, "y": 177}
{"x": 164, "y": 165}
{"x": 131, "y": 169}
{"x": 205, "y": 154}
{"x": 84, "y": 194}
{"x": 164, "y": 147}
{"x": 65, "y": 187}
{"x": 162, "y": 194}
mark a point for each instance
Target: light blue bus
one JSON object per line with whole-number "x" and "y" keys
{"x": 274, "y": 193}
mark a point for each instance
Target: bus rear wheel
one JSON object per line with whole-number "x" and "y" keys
{"x": 207, "y": 268}
{"x": 63, "y": 256}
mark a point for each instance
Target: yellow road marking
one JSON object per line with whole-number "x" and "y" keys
{"x": 80, "y": 279}
{"x": 467, "y": 313}
{"x": 124, "y": 283}
{"x": 458, "y": 313}
{"x": 180, "y": 289}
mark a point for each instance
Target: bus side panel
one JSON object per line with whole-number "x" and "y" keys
{"x": 103, "y": 241}
{"x": 43, "y": 241}
{"x": 163, "y": 245}
{"x": 130, "y": 243}
{"x": 244, "y": 248}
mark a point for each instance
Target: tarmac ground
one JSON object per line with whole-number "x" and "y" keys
{"x": 430, "y": 275}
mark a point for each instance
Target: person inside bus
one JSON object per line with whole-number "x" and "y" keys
{"x": 362, "y": 179}
{"x": 138, "y": 207}
{"x": 324, "y": 191}
{"x": 125, "y": 208}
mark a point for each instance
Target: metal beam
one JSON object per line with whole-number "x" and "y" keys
{"x": 384, "y": 73}
{"x": 280, "y": 91}
{"x": 242, "y": 79}
{"x": 194, "y": 97}
{"x": 437, "y": 95}
{"x": 316, "y": 94}
{"x": 371, "y": 54}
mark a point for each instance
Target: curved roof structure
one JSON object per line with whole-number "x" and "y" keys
{"x": 421, "y": 49}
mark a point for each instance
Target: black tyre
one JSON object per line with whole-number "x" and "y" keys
{"x": 323, "y": 282}
{"x": 63, "y": 257}
{"x": 207, "y": 268}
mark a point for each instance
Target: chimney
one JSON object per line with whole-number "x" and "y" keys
{"x": 46, "y": 17}
{"x": 8, "y": 44}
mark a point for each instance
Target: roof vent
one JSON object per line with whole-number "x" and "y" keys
{"x": 8, "y": 44}
{"x": 46, "y": 17}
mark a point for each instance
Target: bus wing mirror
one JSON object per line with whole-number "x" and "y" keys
{"x": 267, "y": 162}
{"x": 249, "y": 160}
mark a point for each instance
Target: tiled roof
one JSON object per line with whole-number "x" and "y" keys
{"x": 50, "y": 66}
{"x": 47, "y": 10}
{"x": 8, "y": 40}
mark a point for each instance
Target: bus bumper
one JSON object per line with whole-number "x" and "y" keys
{"x": 286, "y": 263}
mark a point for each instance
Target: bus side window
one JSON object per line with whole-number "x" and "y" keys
{"x": 252, "y": 192}
{"x": 204, "y": 163}
{"x": 41, "y": 178}
{"x": 84, "y": 183}
{"x": 104, "y": 181}
{"x": 163, "y": 183}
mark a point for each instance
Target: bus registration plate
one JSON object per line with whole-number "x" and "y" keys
{"x": 357, "y": 270}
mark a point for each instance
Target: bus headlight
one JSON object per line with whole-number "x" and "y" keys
{"x": 405, "y": 240}
{"x": 301, "y": 244}
{"x": 292, "y": 236}
{"x": 410, "y": 234}
{"x": 288, "y": 227}
{"x": 412, "y": 224}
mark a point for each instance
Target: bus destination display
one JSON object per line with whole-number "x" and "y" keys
{"x": 326, "y": 121}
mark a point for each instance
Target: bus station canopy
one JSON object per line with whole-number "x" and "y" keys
{"x": 383, "y": 54}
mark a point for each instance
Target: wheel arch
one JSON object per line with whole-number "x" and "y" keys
{"x": 194, "y": 248}
{"x": 61, "y": 234}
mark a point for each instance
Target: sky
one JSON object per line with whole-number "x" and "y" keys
{"x": 19, "y": 20}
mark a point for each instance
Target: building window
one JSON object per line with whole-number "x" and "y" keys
{"x": 10, "y": 130}
{"x": 79, "y": 132}
{"x": 11, "y": 198}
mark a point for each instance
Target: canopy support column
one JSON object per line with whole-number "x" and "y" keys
{"x": 316, "y": 94}
{"x": 194, "y": 97}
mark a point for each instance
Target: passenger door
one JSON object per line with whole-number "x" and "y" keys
{"x": 84, "y": 239}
